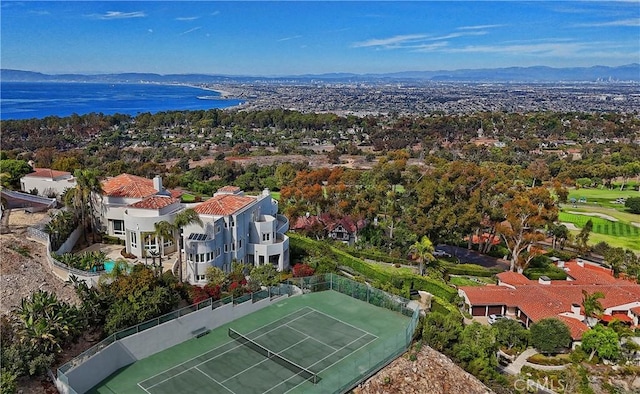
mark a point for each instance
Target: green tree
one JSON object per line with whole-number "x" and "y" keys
{"x": 511, "y": 334}
{"x": 215, "y": 276}
{"x": 476, "y": 350}
{"x": 182, "y": 219}
{"x": 11, "y": 171}
{"x": 265, "y": 275}
{"x": 48, "y": 324}
{"x": 583, "y": 236}
{"x": 560, "y": 234}
{"x": 83, "y": 197}
{"x": 441, "y": 331}
{"x": 601, "y": 340}
{"x": 527, "y": 213}
{"x": 423, "y": 250}
{"x": 550, "y": 335}
{"x": 592, "y": 307}
{"x": 633, "y": 203}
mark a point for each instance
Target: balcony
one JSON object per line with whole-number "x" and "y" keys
{"x": 283, "y": 224}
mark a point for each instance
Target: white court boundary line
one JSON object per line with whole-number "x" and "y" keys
{"x": 336, "y": 350}
{"x": 218, "y": 347}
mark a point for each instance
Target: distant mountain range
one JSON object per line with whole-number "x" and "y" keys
{"x": 541, "y": 74}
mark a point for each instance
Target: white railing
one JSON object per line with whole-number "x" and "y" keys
{"x": 62, "y": 271}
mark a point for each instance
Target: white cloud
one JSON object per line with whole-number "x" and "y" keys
{"x": 479, "y": 27}
{"x": 122, "y": 15}
{"x": 289, "y": 38}
{"x": 390, "y": 42}
{"x": 633, "y": 22}
{"x": 456, "y": 35}
{"x": 414, "y": 41}
{"x": 187, "y": 18}
{"x": 190, "y": 30}
{"x": 540, "y": 49}
{"x": 431, "y": 47}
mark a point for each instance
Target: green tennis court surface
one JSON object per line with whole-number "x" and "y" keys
{"x": 304, "y": 344}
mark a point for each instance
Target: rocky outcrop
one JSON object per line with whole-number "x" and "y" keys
{"x": 425, "y": 371}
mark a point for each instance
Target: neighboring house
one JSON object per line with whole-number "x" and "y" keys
{"x": 30, "y": 203}
{"x": 129, "y": 208}
{"x": 531, "y": 301}
{"x": 343, "y": 229}
{"x": 47, "y": 182}
{"x": 235, "y": 227}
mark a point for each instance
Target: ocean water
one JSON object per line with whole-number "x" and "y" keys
{"x": 26, "y": 100}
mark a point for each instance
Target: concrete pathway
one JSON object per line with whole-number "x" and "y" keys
{"x": 515, "y": 367}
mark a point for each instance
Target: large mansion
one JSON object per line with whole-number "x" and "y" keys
{"x": 236, "y": 227}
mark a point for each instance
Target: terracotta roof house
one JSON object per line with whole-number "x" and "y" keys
{"x": 344, "y": 229}
{"x": 530, "y": 301}
{"x": 235, "y": 226}
{"x": 47, "y": 182}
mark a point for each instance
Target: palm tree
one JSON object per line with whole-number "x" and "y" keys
{"x": 423, "y": 249}
{"x": 83, "y": 195}
{"x": 163, "y": 230}
{"x": 184, "y": 218}
{"x": 592, "y": 306}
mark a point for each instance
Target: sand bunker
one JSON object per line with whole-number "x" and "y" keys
{"x": 571, "y": 226}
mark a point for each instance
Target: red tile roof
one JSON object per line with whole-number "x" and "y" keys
{"x": 513, "y": 278}
{"x": 223, "y": 204}
{"x": 636, "y": 310}
{"x": 540, "y": 301}
{"x": 305, "y": 223}
{"x": 588, "y": 274}
{"x": 47, "y": 173}
{"x": 576, "y": 327}
{"x": 229, "y": 189}
{"x": 131, "y": 186}
{"x": 155, "y": 202}
{"x": 621, "y": 317}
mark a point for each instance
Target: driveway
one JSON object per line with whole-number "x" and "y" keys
{"x": 473, "y": 257}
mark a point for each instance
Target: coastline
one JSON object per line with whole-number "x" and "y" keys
{"x": 27, "y": 99}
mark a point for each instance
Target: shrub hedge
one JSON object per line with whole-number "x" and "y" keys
{"x": 471, "y": 270}
{"x": 373, "y": 273}
{"x": 552, "y": 272}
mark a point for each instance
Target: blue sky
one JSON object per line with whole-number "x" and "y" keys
{"x": 300, "y": 37}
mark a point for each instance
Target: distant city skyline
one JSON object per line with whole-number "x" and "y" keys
{"x": 305, "y": 37}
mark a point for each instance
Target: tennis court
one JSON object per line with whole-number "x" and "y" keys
{"x": 313, "y": 343}
{"x": 272, "y": 359}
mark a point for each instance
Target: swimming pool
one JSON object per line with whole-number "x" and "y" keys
{"x": 108, "y": 266}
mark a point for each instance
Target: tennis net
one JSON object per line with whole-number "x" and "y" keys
{"x": 293, "y": 367}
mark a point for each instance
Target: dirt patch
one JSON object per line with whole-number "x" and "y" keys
{"x": 24, "y": 269}
{"x": 431, "y": 372}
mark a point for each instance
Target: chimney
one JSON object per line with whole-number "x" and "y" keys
{"x": 544, "y": 280}
{"x": 157, "y": 184}
{"x": 580, "y": 262}
{"x": 575, "y": 309}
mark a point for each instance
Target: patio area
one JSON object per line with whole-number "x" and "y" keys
{"x": 113, "y": 253}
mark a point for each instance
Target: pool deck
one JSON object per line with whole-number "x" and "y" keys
{"x": 113, "y": 252}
